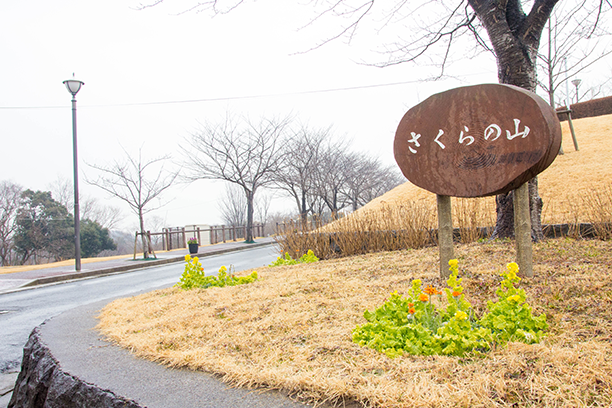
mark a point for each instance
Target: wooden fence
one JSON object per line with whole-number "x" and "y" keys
{"x": 173, "y": 238}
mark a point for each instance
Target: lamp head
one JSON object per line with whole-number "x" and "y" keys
{"x": 73, "y": 85}
{"x": 576, "y": 82}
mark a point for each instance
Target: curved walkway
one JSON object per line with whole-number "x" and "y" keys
{"x": 90, "y": 372}
{"x": 81, "y": 369}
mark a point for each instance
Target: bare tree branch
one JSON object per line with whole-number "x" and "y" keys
{"x": 137, "y": 182}
{"x": 239, "y": 151}
{"x": 10, "y": 198}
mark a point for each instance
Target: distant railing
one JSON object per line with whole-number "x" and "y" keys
{"x": 173, "y": 238}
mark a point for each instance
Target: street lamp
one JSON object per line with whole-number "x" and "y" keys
{"x": 74, "y": 86}
{"x": 576, "y": 82}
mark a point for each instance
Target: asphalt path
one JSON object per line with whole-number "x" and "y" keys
{"x": 22, "y": 311}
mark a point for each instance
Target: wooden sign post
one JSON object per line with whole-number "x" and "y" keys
{"x": 478, "y": 141}
{"x": 445, "y": 233}
{"x": 522, "y": 230}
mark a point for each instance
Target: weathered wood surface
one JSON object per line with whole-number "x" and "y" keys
{"x": 477, "y": 141}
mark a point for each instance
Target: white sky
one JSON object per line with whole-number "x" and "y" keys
{"x": 126, "y": 56}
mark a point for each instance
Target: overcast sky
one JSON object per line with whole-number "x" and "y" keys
{"x": 249, "y": 62}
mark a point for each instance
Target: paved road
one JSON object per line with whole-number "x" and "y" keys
{"x": 21, "y": 311}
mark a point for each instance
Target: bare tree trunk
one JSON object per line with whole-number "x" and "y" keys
{"x": 145, "y": 246}
{"x": 249, "y": 227}
{"x": 304, "y": 210}
{"x": 515, "y": 39}
{"x": 535, "y": 210}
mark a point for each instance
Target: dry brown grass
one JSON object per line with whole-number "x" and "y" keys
{"x": 292, "y": 330}
{"x": 388, "y": 229}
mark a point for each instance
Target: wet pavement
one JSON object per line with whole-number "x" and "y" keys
{"x": 41, "y": 275}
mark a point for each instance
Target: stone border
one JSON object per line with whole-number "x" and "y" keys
{"x": 42, "y": 382}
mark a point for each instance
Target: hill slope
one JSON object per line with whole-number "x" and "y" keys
{"x": 566, "y": 186}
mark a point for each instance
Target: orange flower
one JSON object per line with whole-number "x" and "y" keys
{"x": 430, "y": 290}
{"x": 411, "y": 310}
{"x": 410, "y": 304}
{"x": 456, "y": 293}
{"x": 423, "y": 297}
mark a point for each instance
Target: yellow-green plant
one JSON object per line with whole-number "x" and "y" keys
{"x": 414, "y": 325}
{"x": 194, "y": 276}
{"x": 511, "y": 318}
{"x": 308, "y": 257}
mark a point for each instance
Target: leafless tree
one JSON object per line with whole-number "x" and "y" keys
{"x": 10, "y": 198}
{"x": 499, "y": 26}
{"x": 233, "y": 206}
{"x": 331, "y": 175}
{"x": 433, "y": 29}
{"x": 367, "y": 179}
{"x": 136, "y": 181}
{"x": 262, "y": 207}
{"x": 297, "y": 176}
{"x": 91, "y": 209}
{"x": 239, "y": 151}
{"x": 572, "y": 44}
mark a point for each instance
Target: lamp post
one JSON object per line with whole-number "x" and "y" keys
{"x": 576, "y": 82}
{"x": 74, "y": 86}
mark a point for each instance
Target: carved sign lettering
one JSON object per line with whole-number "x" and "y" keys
{"x": 477, "y": 141}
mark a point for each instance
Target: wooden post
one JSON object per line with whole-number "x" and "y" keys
{"x": 571, "y": 126}
{"x": 151, "y": 250}
{"x": 223, "y": 232}
{"x": 135, "y": 244}
{"x": 445, "y": 234}
{"x": 522, "y": 231}
{"x": 149, "y": 241}
{"x": 199, "y": 237}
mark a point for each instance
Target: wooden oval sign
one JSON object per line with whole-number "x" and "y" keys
{"x": 477, "y": 140}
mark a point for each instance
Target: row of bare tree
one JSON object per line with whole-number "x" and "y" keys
{"x": 312, "y": 166}
{"x": 316, "y": 169}
{"x": 434, "y": 31}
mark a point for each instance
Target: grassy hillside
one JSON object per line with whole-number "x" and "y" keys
{"x": 292, "y": 329}
{"x": 566, "y": 187}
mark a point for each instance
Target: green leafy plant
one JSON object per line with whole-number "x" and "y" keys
{"x": 308, "y": 257}
{"x": 511, "y": 318}
{"x": 414, "y": 324}
{"x": 192, "y": 241}
{"x": 194, "y": 276}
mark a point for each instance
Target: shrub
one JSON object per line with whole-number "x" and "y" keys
{"x": 308, "y": 257}
{"x": 194, "y": 276}
{"x": 413, "y": 324}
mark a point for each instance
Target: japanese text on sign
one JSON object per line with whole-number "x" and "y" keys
{"x": 491, "y": 134}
